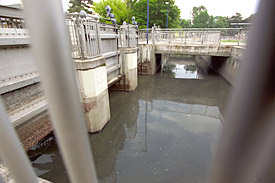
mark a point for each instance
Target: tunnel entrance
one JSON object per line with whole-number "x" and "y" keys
{"x": 217, "y": 62}
{"x": 158, "y": 62}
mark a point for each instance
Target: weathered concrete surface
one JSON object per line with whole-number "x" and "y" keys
{"x": 128, "y": 58}
{"x": 147, "y": 59}
{"x": 35, "y": 129}
{"x": 24, "y": 97}
{"x": 15, "y": 61}
{"x": 6, "y": 177}
{"x": 212, "y": 50}
{"x": 97, "y": 111}
{"x": 226, "y": 66}
{"x": 27, "y": 110}
{"x": 92, "y": 77}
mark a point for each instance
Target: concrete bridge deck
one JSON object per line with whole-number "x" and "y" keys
{"x": 191, "y": 49}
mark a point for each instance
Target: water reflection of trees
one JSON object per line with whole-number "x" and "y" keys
{"x": 168, "y": 70}
{"x": 191, "y": 68}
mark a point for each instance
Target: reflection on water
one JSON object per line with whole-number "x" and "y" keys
{"x": 165, "y": 131}
{"x": 181, "y": 69}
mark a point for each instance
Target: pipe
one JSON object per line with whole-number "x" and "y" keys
{"x": 12, "y": 153}
{"x": 51, "y": 49}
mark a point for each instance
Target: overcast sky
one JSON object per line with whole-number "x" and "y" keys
{"x": 215, "y": 7}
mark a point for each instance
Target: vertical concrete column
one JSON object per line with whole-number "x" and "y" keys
{"x": 129, "y": 67}
{"x": 164, "y": 59}
{"x": 147, "y": 59}
{"x": 92, "y": 77}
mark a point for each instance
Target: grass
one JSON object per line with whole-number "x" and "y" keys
{"x": 231, "y": 41}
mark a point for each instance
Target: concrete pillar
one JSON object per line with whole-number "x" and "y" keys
{"x": 92, "y": 77}
{"x": 147, "y": 59}
{"x": 128, "y": 58}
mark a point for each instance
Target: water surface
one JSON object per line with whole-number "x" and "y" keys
{"x": 165, "y": 131}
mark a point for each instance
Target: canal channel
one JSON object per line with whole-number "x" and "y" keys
{"x": 165, "y": 131}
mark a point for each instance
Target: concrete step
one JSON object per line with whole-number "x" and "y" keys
{"x": 29, "y": 112}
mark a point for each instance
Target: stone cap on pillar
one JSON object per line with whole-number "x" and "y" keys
{"x": 90, "y": 63}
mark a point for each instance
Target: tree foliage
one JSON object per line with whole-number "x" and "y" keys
{"x": 236, "y": 18}
{"x": 78, "y": 5}
{"x": 249, "y": 19}
{"x": 119, "y": 8}
{"x": 201, "y": 18}
{"x": 125, "y": 9}
{"x": 221, "y": 22}
{"x": 157, "y": 13}
{"x": 185, "y": 23}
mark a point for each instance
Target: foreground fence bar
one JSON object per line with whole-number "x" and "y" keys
{"x": 12, "y": 152}
{"x": 247, "y": 146}
{"x": 51, "y": 49}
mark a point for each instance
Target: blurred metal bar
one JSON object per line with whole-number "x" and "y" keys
{"x": 51, "y": 48}
{"x": 12, "y": 152}
{"x": 248, "y": 140}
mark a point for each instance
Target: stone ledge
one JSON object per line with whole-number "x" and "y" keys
{"x": 90, "y": 63}
{"x": 129, "y": 50}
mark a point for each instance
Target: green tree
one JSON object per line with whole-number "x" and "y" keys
{"x": 197, "y": 10}
{"x": 221, "y": 22}
{"x": 249, "y": 19}
{"x": 77, "y": 5}
{"x": 237, "y": 18}
{"x": 185, "y": 23}
{"x": 157, "y": 13}
{"x": 201, "y": 18}
{"x": 119, "y": 8}
{"x": 131, "y": 3}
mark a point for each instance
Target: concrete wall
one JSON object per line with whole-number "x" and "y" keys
{"x": 147, "y": 59}
{"x": 226, "y": 66}
{"x": 21, "y": 92}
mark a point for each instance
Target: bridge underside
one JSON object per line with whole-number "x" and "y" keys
{"x": 152, "y": 56}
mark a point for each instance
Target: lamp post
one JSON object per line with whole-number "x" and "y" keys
{"x": 167, "y": 14}
{"x": 167, "y": 19}
{"x": 147, "y": 19}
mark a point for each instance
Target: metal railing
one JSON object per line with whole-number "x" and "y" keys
{"x": 84, "y": 35}
{"x": 17, "y": 23}
{"x": 196, "y": 36}
{"x": 128, "y": 36}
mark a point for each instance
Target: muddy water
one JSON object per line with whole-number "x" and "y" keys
{"x": 165, "y": 131}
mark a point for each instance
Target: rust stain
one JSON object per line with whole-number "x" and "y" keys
{"x": 89, "y": 106}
